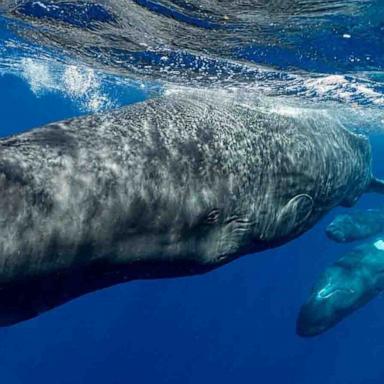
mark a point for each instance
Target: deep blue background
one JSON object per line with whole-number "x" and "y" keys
{"x": 234, "y": 325}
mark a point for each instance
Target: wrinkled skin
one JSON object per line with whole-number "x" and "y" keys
{"x": 356, "y": 225}
{"x": 351, "y": 282}
{"x": 171, "y": 187}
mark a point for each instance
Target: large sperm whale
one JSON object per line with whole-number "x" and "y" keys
{"x": 173, "y": 186}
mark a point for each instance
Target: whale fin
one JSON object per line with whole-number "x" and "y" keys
{"x": 293, "y": 214}
{"x": 376, "y": 186}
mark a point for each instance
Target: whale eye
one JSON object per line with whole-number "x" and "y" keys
{"x": 213, "y": 216}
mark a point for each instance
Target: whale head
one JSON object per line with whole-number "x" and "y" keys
{"x": 332, "y": 299}
{"x": 342, "y": 229}
{"x": 351, "y": 282}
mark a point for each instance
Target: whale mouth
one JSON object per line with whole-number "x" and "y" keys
{"x": 313, "y": 320}
{"x": 307, "y": 325}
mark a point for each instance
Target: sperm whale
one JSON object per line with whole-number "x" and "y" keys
{"x": 174, "y": 186}
{"x": 344, "y": 287}
{"x": 357, "y": 225}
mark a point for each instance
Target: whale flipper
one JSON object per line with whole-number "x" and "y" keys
{"x": 293, "y": 214}
{"x": 377, "y": 186}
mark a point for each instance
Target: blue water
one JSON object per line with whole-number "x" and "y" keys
{"x": 236, "y": 324}
{"x": 233, "y": 325}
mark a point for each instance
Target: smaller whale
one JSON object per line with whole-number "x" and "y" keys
{"x": 347, "y": 285}
{"x": 357, "y": 225}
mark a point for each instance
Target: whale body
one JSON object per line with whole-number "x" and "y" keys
{"x": 357, "y": 225}
{"x": 353, "y": 280}
{"x": 170, "y": 187}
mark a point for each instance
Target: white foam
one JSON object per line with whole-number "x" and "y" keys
{"x": 287, "y": 110}
{"x": 80, "y": 84}
{"x": 38, "y": 75}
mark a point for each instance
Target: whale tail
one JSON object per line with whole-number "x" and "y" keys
{"x": 377, "y": 186}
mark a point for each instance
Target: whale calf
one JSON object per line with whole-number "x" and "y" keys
{"x": 350, "y": 283}
{"x": 173, "y": 186}
{"x": 357, "y": 225}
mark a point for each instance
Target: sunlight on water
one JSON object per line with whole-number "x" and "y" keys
{"x": 53, "y": 45}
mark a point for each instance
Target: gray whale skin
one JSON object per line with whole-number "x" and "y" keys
{"x": 174, "y": 186}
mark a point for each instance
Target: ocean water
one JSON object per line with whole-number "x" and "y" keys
{"x": 60, "y": 59}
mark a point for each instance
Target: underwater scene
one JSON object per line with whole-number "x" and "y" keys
{"x": 191, "y": 191}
